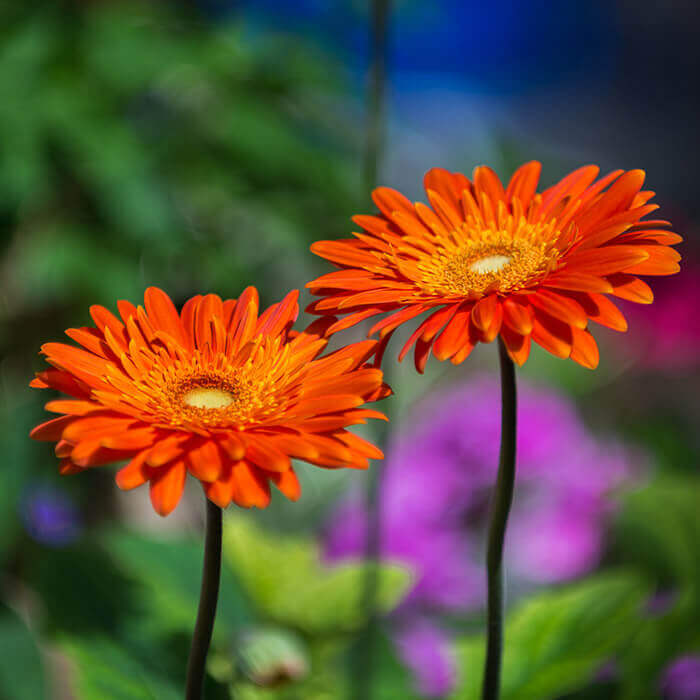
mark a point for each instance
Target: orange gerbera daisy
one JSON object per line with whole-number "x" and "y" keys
{"x": 488, "y": 260}
{"x": 215, "y": 391}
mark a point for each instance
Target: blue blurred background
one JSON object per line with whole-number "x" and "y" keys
{"x": 202, "y": 146}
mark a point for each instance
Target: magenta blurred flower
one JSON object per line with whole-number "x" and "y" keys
{"x": 440, "y": 469}
{"x": 681, "y": 679}
{"x": 666, "y": 335}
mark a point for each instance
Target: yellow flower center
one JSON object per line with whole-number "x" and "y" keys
{"x": 217, "y": 398}
{"x": 208, "y": 390}
{"x": 491, "y": 263}
{"x": 208, "y": 397}
{"x": 476, "y": 262}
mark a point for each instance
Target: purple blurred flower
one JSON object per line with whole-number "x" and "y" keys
{"x": 681, "y": 679}
{"x": 440, "y": 469}
{"x": 50, "y": 517}
{"x": 426, "y": 650}
{"x": 661, "y": 602}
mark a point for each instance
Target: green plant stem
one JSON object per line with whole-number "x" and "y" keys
{"x": 208, "y": 596}
{"x": 363, "y": 656}
{"x": 500, "y": 508}
{"x": 374, "y": 145}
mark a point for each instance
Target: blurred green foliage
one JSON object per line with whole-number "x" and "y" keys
{"x": 140, "y": 143}
{"x": 557, "y": 640}
{"x": 285, "y": 579}
{"x": 21, "y": 673}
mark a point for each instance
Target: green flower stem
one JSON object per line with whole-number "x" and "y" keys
{"x": 364, "y": 650}
{"x": 374, "y": 145}
{"x": 208, "y": 596}
{"x": 500, "y": 508}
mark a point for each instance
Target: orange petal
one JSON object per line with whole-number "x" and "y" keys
{"x": 266, "y": 456}
{"x": 51, "y": 430}
{"x": 428, "y": 328}
{"x": 252, "y": 488}
{"x": 234, "y": 446}
{"x": 523, "y": 184}
{"x": 91, "y": 339}
{"x": 578, "y": 282}
{"x": 631, "y": 288}
{"x": 389, "y": 200}
{"x": 221, "y": 491}
{"x": 517, "y": 345}
{"x": 607, "y": 260}
{"x": 619, "y": 197}
{"x": 490, "y": 334}
{"x": 486, "y": 180}
{"x": 209, "y": 307}
{"x": 553, "y": 335}
{"x": 421, "y": 355}
{"x": 360, "y": 445}
{"x": 484, "y": 311}
{"x": 661, "y": 260}
{"x": 462, "y": 354}
{"x": 584, "y": 350}
{"x": 279, "y": 317}
{"x": 449, "y": 214}
{"x": 188, "y": 316}
{"x": 390, "y": 323}
{"x": 84, "y": 365}
{"x": 165, "y": 450}
{"x": 167, "y": 486}
{"x": 287, "y": 483}
{"x": 163, "y": 315}
{"x": 96, "y": 427}
{"x": 564, "y": 308}
{"x": 205, "y": 462}
{"x": 61, "y": 381}
{"x": 456, "y": 335}
{"x": 135, "y": 439}
{"x": 601, "y": 310}
{"x": 295, "y": 446}
{"x": 105, "y": 319}
{"x": 353, "y": 319}
{"x": 126, "y": 309}
{"x": 572, "y": 186}
{"x": 517, "y": 315}
{"x": 134, "y": 474}
{"x": 448, "y": 185}
{"x": 72, "y": 407}
{"x": 244, "y": 318}
{"x": 67, "y": 467}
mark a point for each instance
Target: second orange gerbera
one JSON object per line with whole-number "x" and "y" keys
{"x": 215, "y": 391}
{"x": 485, "y": 261}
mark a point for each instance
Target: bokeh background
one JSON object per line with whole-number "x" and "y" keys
{"x": 202, "y": 146}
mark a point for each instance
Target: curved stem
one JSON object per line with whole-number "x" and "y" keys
{"x": 208, "y": 596}
{"x": 500, "y": 508}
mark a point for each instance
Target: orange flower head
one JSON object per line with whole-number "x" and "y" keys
{"x": 484, "y": 261}
{"x": 216, "y": 390}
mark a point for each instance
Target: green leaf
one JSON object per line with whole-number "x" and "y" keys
{"x": 170, "y": 571}
{"x": 21, "y": 673}
{"x": 82, "y": 589}
{"x": 659, "y": 530}
{"x": 284, "y": 577}
{"x": 106, "y": 672}
{"x": 556, "y": 641}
